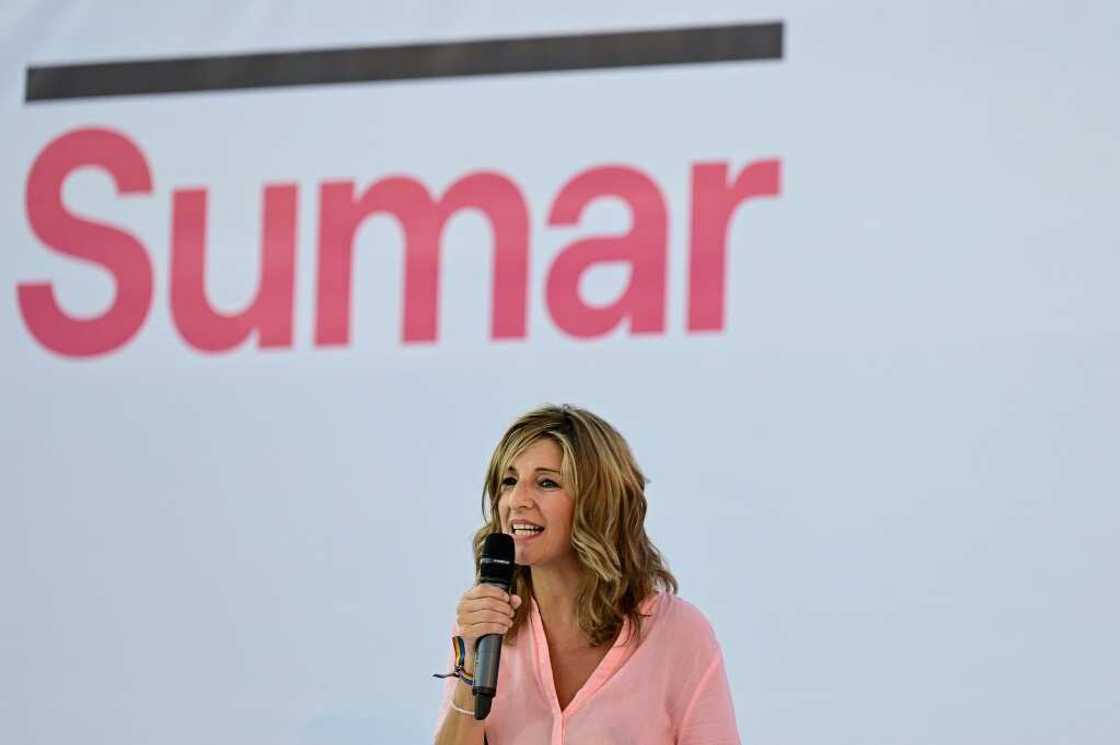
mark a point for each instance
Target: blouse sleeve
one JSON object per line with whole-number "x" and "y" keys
{"x": 710, "y": 716}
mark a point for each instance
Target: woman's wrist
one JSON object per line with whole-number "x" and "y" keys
{"x": 463, "y": 698}
{"x": 468, "y": 663}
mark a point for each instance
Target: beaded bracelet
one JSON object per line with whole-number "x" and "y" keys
{"x": 459, "y": 650}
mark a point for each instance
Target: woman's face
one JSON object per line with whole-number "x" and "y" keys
{"x": 535, "y": 508}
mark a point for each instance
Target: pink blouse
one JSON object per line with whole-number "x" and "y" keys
{"x": 669, "y": 689}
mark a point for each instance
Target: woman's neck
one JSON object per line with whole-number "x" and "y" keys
{"x": 555, "y": 588}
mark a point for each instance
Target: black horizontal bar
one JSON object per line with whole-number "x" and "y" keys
{"x": 756, "y": 41}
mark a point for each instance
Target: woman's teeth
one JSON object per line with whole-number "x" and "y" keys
{"x": 526, "y": 529}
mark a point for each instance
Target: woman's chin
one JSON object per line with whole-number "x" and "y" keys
{"x": 528, "y": 556}
{"x": 524, "y": 548}
{"x": 521, "y": 556}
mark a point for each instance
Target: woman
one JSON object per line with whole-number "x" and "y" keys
{"x": 597, "y": 648}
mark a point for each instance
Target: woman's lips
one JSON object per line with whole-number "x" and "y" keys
{"x": 525, "y": 535}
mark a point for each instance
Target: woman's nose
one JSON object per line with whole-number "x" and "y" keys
{"x": 521, "y": 496}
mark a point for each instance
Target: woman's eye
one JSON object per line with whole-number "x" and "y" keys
{"x": 509, "y": 481}
{"x": 548, "y": 484}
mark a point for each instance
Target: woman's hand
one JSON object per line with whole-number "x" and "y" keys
{"x": 485, "y": 609}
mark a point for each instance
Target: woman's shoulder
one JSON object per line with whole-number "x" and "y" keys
{"x": 680, "y": 620}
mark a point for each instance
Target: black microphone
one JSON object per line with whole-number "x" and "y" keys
{"x": 494, "y": 568}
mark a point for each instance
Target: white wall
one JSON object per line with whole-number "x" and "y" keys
{"x": 890, "y": 481}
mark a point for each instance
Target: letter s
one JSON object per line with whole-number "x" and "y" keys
{"x": 117, "y": 251}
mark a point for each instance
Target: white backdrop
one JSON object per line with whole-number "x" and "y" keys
{"x": 890, "y": 481}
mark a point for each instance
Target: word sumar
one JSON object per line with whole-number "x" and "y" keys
{"x": 716, "y": 193}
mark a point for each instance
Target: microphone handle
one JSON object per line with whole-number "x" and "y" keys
{"x": 487, "y": 658}
{"x": 488, "y": 654}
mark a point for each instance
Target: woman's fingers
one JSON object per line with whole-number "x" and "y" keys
{"x": 486, "y": 591}
{"x": 486, "y": 615}
{"x": 485, "y": 604}
{"x": 481, "y": 622}
{"x": 485, "y": 609}
{"x": 485, "y": 598}
{"x": 479, "y": 630}
{"x": 482, "y": 628}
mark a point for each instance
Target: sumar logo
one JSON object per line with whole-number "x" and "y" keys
{"x": 716, "y": 193}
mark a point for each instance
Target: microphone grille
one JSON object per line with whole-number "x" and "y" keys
{"x": 496, "y": 563}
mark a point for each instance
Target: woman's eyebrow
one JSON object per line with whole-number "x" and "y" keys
{"x": 538, "y": 469}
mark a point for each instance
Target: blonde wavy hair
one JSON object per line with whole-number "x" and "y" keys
{"x": 621, "y": 565}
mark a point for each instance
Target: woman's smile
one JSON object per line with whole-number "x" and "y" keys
{"x": 524, "y": 530}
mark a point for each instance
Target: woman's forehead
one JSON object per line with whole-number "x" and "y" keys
{"x": 540, "y": 453}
